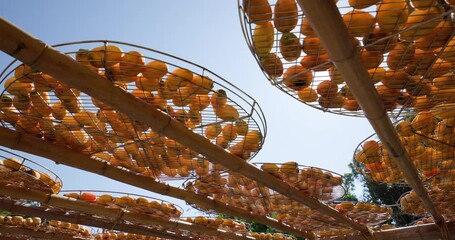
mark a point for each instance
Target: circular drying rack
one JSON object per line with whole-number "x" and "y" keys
{"x": 238, "y": 191}
{"x": 131, "y": 202}
{"x": 429, "y": 141}
{"x": 410, "y": 62}
{"x": 24, "y": 173}
{"x": 38, "y": 104}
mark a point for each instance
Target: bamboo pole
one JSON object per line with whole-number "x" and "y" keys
{"x": 112, "y": 213}
{"x": 37, "y": 54}
{"x": 20, "y": 231}
{"x": 26, "y": 143}
{"x": 78, "y": 218}
{"x": 329, "y": 26}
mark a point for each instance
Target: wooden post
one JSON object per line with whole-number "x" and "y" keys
{"x": 35, "y": 53}
{"x": 328, "y": 24}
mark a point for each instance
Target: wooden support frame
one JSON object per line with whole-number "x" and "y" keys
{"x": 418, "y": 232}
{"x": 112, "y": 213}
{"x": 26, "y": 143}
{"x": 328, "y": 25}
{"x": 13, "y": 230}
{"x": 37, "y": 54}
{"x": 78, "y": 218}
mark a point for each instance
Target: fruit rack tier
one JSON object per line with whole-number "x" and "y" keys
{"x": 407, "y": 49}
{"x": 429, "y": 139}
{"x": 19, "y": 171}
{"x": 64, "y": 220}
{"x": 38, "y": 104}
{"x": 442, "y": 196}
{"x": 131, "y": 202}
{"x": 247, "y": 194}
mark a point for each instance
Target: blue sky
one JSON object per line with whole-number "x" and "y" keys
{"x": 207, "y": 33}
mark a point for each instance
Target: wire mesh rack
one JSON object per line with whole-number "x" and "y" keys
{"x": 244, "y": 193}
{"x": 406, "y": 46}
{"x": 218, "y": 222}
{"x": 422, "y": 220}
{"x": 319, "y": 183}
{"x": 442, "y": 197}
{"x": 364, "y": 213}
{"x": 171, "y": 234}
{"x": 38, "y": 104}
{"x": 37, "y": 225}
{"x": 22, "y": 172}
{"x": 96, "y": 225}
{"x": 272, "y": 236}
{"x": 202, "y": 222}
{"x": 429, "y": 140}
{"x": 114, "y": 235}
{"x": 131, "y": 202}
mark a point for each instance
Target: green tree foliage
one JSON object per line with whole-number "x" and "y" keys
{"x": 349, "y": 186}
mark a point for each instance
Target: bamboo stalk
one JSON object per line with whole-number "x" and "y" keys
{"x": 37, "y": 54}
{"x": 112, "y": 213}
{"x": 43, "y": 148}
{"x": 13, "y": 230}
{"x": 71, "y": 217}
{"x": 330, "y": 28}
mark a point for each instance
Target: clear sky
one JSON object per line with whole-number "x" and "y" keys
{"x": 206, "y": 32}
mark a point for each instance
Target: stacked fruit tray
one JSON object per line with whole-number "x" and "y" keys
{"x": 247, "y": 194}
{"x": 316, "y": 182}
{"x": 38, "y": 104}
{"x": 238, "y": 191}
{"x": 442, "y": 196}
{"x": 122, "y": 235}
{"x": 308, "y": 219}
{"x": 18, "y": 171}
{"x": 271, "y": 236}
{"x": 429, "y": 139}
{"x": 407, "y": 47}
{"x": 365, "y": 213}
{"x": 226, "y": 224}
{"x": 99, "y": 222}
{"x": 131, "y": 202}
{"x": 75, "y": 231}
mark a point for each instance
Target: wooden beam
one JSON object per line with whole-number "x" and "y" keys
{"x": 35, "y": 53}
{"x": 78, "y": 218}
{"x": 26, "y": 143}
{"x": 113, "y": 213}
{"x": 328, "y": 24}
